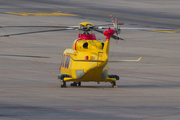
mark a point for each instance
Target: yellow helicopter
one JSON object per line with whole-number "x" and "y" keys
{"x": 87, "y": 60}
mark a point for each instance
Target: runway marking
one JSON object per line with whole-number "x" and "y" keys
{"x": 165, "y": 31}
{"x": 128, "y": 16}
{"x": 40, "y": 14}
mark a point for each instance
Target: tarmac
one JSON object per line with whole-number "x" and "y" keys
{"x": 148, "y": 89}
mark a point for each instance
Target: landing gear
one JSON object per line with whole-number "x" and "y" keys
{"x": 63, "y": 84}
{"x": 61, "y": 77}
{"x": 114, "y": 83}
{"x": 76, "y": 84}
{"x": 79, "y": 83}
{"x": 114, "y": 76}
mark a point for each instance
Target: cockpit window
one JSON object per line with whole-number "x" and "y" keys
{"x": 62, "y": 63}
{"x": 68, "y": 62}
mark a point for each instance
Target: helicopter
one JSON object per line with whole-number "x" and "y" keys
{"x": 87, "y": 60}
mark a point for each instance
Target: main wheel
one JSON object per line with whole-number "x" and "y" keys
{"x": 113, "y": 84}
{"x": 74, "y": 84}
{"x": 79, "y": 83}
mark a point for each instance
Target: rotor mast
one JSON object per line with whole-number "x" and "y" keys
{"x": 86, "y": 27}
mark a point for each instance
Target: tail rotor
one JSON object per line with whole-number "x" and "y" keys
{"x": 117, "y": 31}
{"x": 116, "y": 28}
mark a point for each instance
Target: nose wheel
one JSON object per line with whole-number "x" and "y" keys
{"x": 61, "y": 77}
{"x": 63, "y": 84}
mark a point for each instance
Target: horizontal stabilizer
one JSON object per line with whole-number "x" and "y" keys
{"x": 125, "y": 60}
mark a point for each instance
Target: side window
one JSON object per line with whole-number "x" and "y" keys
{"x": 68, "y": 61}
{"x": 62, "y": 61}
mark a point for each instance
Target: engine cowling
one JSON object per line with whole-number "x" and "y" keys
{"x": 87, "y": 44}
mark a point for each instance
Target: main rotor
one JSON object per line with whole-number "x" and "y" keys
{"x": 84, "y": 26}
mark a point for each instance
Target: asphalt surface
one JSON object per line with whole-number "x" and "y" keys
{"x": 148, "y": 89}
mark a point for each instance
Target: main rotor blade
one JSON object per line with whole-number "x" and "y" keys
{"x": 24, "y": 56}
{"x": 33, "y": 26}
{"x": 39, "y": 26}
{"x": 108, "y": 24}
{"x": 36, "y": 32}
{"x": 104, "y": 24}
{"x": 129, "y": 28}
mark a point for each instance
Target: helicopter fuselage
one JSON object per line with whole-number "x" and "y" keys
{"x": 87, "y": 60}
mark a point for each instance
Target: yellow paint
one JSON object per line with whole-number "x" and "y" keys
{"x": 166, "y": 31}
{"x": 93, "y": 67}
{"x": 85, "y": 24}
{"x": 40, "y": 14}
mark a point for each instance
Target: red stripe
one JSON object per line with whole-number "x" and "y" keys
{"x": 76, "y": 43}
